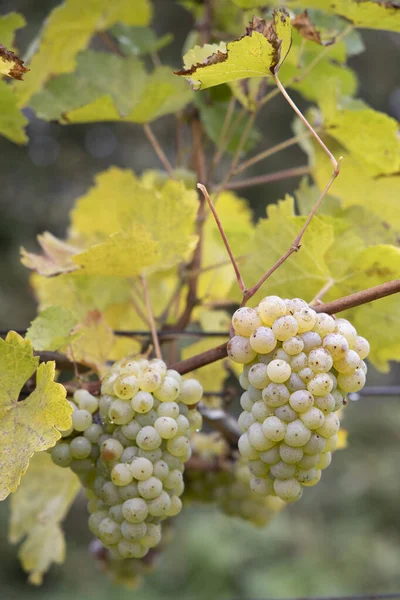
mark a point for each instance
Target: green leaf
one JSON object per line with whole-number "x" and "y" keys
{"x": 246, "y": 4}
{"x": 124, "y": 254}
{"x": 12, "y": 121}
{"x": 37, "y": 508}
{"x": 31, "y": 425}
{"x": 52, "y": 328}
{"x": 106, "y": 87}
{"x": 137, "y": 41}
{"x": 97, "y": 74}
{"x": 212, "y": 117}
{"x": 69, "y": 29}
{"x": 167, "y": 214}
{"x": 8, "y": 26}
{"x": 257, "y": 54}
{"x": 305, "y": 271}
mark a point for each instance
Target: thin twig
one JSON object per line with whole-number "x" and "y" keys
{"x": 158, "y": 150}
{"x": 270, "y": 151}
{"x": 224, "y": 238}
{"x": 357, "y": 299}
{"x": 111, "y": 43}
{"x": 298, "y": 112}
{"x": 151, "y": 318}
{"x": 268, "y": 178}
{"x": 295, "y": 247}
{"x": 222, "y": 421}
{"x": 325, "y": 288}
{"x": 138, "y": 310}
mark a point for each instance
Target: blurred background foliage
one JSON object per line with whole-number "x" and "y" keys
{"x": 344, "y": 536}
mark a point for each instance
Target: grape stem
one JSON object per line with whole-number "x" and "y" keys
{"x": 150, "y": 315}
{"x": 239, "y": 278}
{"x": 357, "y": 299}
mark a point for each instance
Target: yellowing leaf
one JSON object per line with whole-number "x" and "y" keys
{"x": 257, "y": 54}
{"x": 370, "y": 136}
{"x": 37, "y": 509}
{"x": 199, "y": 54}
{"x": 125, "y": 254}
{"x": 368, "y": 14}
{"x": 8, "y": 25}
{"x": 30, "y": 425}
{"x": 94, "y": 344}
{"x": 69, "y": 29}
{"x": 57, "y": 257}
{"x": 211, "y": 376}
{"x": 52, "y": 328}
{"x": 305, "y": 272}
{"x": 355, "y": 186}
{"x": 343, "y": 435}
{"x": 12, "y": 121}
{"x": 168, "y": 214}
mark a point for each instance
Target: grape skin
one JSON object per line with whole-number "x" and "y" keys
{"x": 305, "y": 364}
{"x": 129, "y": 448}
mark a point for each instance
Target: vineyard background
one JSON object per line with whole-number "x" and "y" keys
{"x": 355, "y": 508}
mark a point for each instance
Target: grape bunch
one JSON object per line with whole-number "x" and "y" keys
{"x": 226, "y": 483}
{"x": 129, "y": 448}
{"x": 298, "y": 368}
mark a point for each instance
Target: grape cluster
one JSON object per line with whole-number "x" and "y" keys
{"x": 129, "y": 448}
{"x": 298, "y": 368}
{"x": 226, "y": 483}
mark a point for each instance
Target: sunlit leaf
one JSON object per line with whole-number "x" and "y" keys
{"x": 12, "y": 121}
{"x": 37, "y": 509}
{"x": 51, "y": 329}
{"x": 257, "y": 54}
{"x": 8, "y": 26}
{"x": 32, "y": 424}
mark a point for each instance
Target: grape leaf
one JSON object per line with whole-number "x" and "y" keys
{"x": 368, "y": 14}
{"x": 370, "y": 136}
{"x": 211, "y": 376}
{"x": 11, "y": 65}
{"x": 37, "y": 509}
{"x": 125, "y": 254}
{"x": 69, "y": 29}
{"x": 8, "y": 26}
{"x": 306, "y": 28}
{"x": 97, "y": 74}
{"x": 162, "y": 94}
{"x": 355, "y": 186}
{"x": 155, "y": 209}
{"x": 136, "y": 41}
{"x": 51, "y": 329}
{"x": 305, "y": 270}
{"x": 12, "y": 121}
{"x": 258, "y": 53}
{"x": 57, "y": 257}
{"x": 245, "y": 4}
{"x": 30, "y": 425}
{"x": 94, "y": 344}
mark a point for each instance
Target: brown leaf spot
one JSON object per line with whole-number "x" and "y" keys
{"x": 306, "y": 29}
{"x": 17, "y": 69}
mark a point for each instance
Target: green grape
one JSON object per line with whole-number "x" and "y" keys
{"x": 121, "y": 474}
{"x": 80, "y": 447}
{"x": 81, "y": 420}
{"x": 61, "y": 454}
{"x": 133, "y": 532}
{"x": 120, "y": 412}
{"x": 142, "y": 402}
{"x": 111, "y": 450}
{"x": 150, "y": 488}
{"x": 141, "y": 468}
{"x": 135, "y": 510}
{"x": 86, "y": 401}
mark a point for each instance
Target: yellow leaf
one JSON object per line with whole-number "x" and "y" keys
{"x": 69, "y": 29}
{"x": 343, "y": 435}
{"x": 257, "y": 54}
{"x": 37, "y": 508}
{"x": 211, "y": 376}
{"x": 31, "y": 425}
{"x": 167, "y": 213}
{"x": 56, "y": 258}
{"x": 124, "y": 254}
{"x": 94, "y": 344}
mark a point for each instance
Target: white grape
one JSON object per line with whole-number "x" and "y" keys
{"x": 297, "y": 434}
{"x": 313, "y": 418}
{"x": 275, "y": 394}
{"x": 258, "y": 376}
{"x": 263, "y": 340}
{"x": 352, "y": 383}
{"x": 274, "y": 429}
{"x": 271, "y": 308}
{"x": 293, "y": 345}
{"x": 301, "y": 401}
{"x": 278, "y": 371}
{"x": 239, "y": 350}
{"x": 245, "y": 320}
{"x": 285, "y": 328}
{"x": 306, "y": 318}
